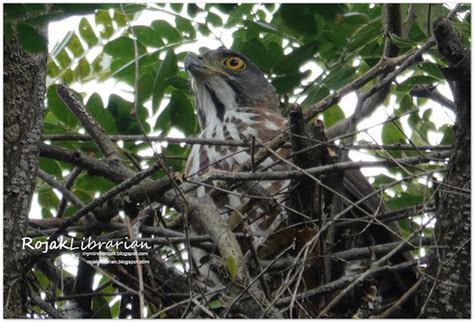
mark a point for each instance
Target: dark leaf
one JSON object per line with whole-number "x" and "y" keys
{"x": 148, "y": 36}
{"x": 59, "y": 109}
{"x": 168, "y": 68}
{"x": 291, "y": 62}
{"x": 332, "y": 115}
{"x": 120, "y": 47}
{"x": 184, "y": 25}
{"x": 100, "y": 308}
{"x": 181, "y": 113}
{"x": 257, "y": 53}
{"x": 404, "y": 201}
{"x": 166, "y": 31}
{"x": 287, "y": 83}
{"x": 87, "y": 33}
{"x": 30, "y": 39}
{"x": 102, "y": 115}
{"x": 299, "y": 17}
{"x": 102, "y": 18}
{"x": 50, "y": 166}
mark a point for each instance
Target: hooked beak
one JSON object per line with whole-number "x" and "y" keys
{"x": 194, "y": 65}
{"x": 192, "y": 62}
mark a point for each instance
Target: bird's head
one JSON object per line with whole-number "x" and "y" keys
{"x": 223, "y": 79}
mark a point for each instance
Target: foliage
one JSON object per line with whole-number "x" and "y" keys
{"x": 285, "y": 41}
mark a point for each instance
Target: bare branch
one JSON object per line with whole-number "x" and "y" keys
{"x": 282, "y": 175}
{"x": 89, "y": 123}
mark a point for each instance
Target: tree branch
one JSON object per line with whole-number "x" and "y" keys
{"x": 283, "y": 175}
{"x": 92, "y": 127}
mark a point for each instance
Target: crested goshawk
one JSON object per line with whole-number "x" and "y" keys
{"x": 235, "y": 101}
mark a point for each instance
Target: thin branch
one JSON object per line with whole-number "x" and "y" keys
{"x": 106, "y": 197}
{"x": 343, "y": 281}
{"x": 50, "y": 180}
{"x": 382, "y": 249}
{"x": 68, "y": 182}
{"x": 387, "y": 313}
{"x": 90, "y": 124}
{"x": 282, "y": 175}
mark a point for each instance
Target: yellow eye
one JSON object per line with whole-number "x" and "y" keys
{"x": 234, "y": 63}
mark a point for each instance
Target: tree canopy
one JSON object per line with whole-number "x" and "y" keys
{"x": 313, "y": 54}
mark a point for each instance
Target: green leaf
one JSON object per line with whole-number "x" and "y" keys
{"x": 87, "y": 33}
{"x": 177, "y": 7}
{"x": 231, "y": 265}
{"x": 184, "y": 25}
{"x": 95, "y": 106}
{"x": 100, "y": 308}
{"x": 215, "y": 304}
{"x": 120, "y": 110}
{"x": 42, "y": 279}
{"x": 59, "y": 109}
{"x": 261, "y": 26}
{"x": 179, "y": 82}
{"x": 404, "y": 201}
{"x": 120, "y": 47}
{"x": 427, "y": 114}
{"x": 391, "y": 134}
{"x": 424, "y": 15}
{"x": 145, "y": 88}
{"x": 339, "y": 77}
{"x": 75, "y": 46}
{"x": 291, "y": 62}
{"x": 53, "y": 69}
{"x": 416, "y": 80}
{"x": 147, "y": 36}
{"x": 166, "y": 31}
{"x": 181, "y": 113}
{"x": 406, "y": 104}
{"x": 257, "y": 53}
{"x": 192, "y": 10}
{"x": 214, "y": 19}
{"x": 168, "y": 68}
{"x": 102, "y": 18}
{"x": 316, "y": 94}
{"x": 47, "y": 198}
{"x": 299, "y": 17}
{"x": 83, "y": 69}
{"x": 355, "y": 18}
{"x": 50, "y": 166}
{"x": 163, "y": 122}
{"x": 63, "y": 59}
{"x": 287, "y": 83}
{"x": 401, "y": 42}
{"x": 448, "y": 134}
{"x": 93, "y": 183}
{"x": 30, "y": 39}
{"x": 332, "y": 115}
{"x": 432, "y": 69}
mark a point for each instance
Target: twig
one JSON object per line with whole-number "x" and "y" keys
{"x": 282, "y": 175}
{"x": 377, "y": 250}
{"x": 64, "y": 191}
{"x": 92, "y": 127}
{"x": 401, "y": 300}
{"x": 105, "y": 197}
{"x": 239, "y": 143}
{"x": 68, "y": 182}
{"x": 342, "y": 282}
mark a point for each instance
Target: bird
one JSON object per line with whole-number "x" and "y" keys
{"x": 235, "y": 101}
